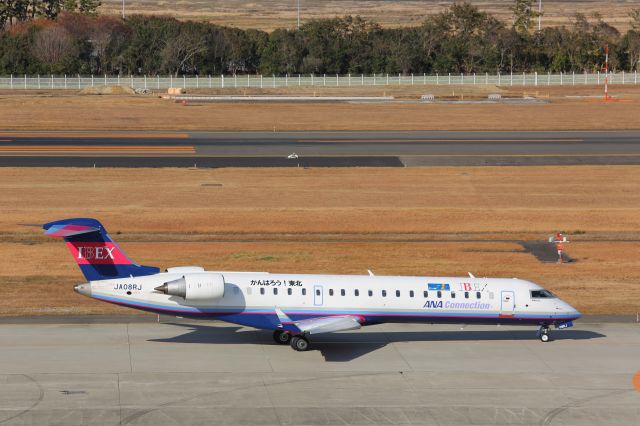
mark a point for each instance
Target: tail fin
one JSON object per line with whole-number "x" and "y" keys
{"x": 98, "y": 256}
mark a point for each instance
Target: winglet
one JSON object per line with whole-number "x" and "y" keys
{"x": 285, "y": 322}
{"x": 371, "y": 274}
{"x": 470, "y": 275}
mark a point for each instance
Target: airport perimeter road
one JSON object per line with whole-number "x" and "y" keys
{"x": 336, "y": 149}
{"x": 215, "y": 373}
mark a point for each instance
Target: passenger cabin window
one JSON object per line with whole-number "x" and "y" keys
{"x": 426, "y": 294}
{"x": 330, "y": 292}
{"x": 541, "y": 294}
{"x": 289, "y": 291}
{"x": 439, "y": 294}
{"x": 304, "y": 292}
{"x": 261, "y": 290}
{"x": 356, "y": 293}
{"x": 275, "y": 291}
{"x": 248, "y": 290}
{"x": 478, "y": 294}
{"x": 342, "y": 292}
{"x": 384, "y": 293}
{"x": 466, "y": 294}
{"x": 410, "y": 293}
{"x": 453, "y": 294}
{"x": 397, "y": 293}
{"x": 370, "y": 293}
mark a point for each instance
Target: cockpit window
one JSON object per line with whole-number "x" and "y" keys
{"x": 541, "y": 294}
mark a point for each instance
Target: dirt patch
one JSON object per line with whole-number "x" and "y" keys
{"x": 107, "y": 90}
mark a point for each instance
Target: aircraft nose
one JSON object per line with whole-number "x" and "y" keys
{"x": 83, "y": 289}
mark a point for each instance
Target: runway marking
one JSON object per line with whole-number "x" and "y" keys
{"x": 185, "y": 149}
{"x": 96, "y": 135}
{"x": 438, "y": 140}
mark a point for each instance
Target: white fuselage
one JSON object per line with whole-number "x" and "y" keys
{"x": 252, "y": 298}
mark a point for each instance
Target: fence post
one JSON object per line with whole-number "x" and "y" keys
{"x": 286, "y": 80}
{"x": 349, "y": 80}
{"x": 399, "y": 79}
{"x": 105, "y": 80}
{"x": 486, "y": 78}
{"x": 598, "y": 77}
{"x": 462, "y": 78}
{"x": 11, "y": 81}
{"x": 170, "y": 80}
{"x": 65, "y": 81}
{"x": 474, "y": 78}
{"x": 374, "y": 78}
{"x": 635, "y": 77}
{"x": 561, "y": 80}
{"x": 449, "y": 78}
{"x": 91, "y": 80}
{"x": 536, "y": 78}
{"x": 118, "y": 79}
{"x": 585, "y": 77}
{"x": 299, "y": 80}
{"x": 362, "y": 79}
{"x": 412, "y": 79}
{"x": 573, "y": 78}
{"x": 235, "y": 80}
{"x": 197, "y": 81}
{"x": 512, "y": 77}
{"x": 337, "y": 80}
{"x": 312, "y": 79}
{"x": 387, "y": 79}
{"x": 51, "y": 81}
{"x": 38, "y": 81}
{"x": 437, "y": 79}
{"x": 424, "y": 78}
{"x": 131, "y": 77}
{"x": 210, "y": 81}
{"x": 273, "y": 80}
{"x": 248, "y": 80}
{"x": 622, "y": 76}
{"x": 261, "y": 80}
{"x": 25, "y": 82}
{"x": 158, "y": 80}
{"x": 145, "y": 81}
{"x": 324, "y": 79}
{"x": 184, "y": 81}
{"x": 524, "y": 78}
{"x": 80, "y": 80}
{"x": 222, "y": 81}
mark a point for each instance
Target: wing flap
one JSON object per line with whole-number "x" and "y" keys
{"x": 319, "y": 325}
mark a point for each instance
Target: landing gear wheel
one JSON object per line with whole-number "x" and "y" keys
{"x": 543, "y": 334}
{"x": 299, "y": 343}
{"x": 281, "y": 337}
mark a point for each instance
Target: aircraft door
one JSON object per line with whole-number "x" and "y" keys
{"x": 508, "y": 303}
{"x": 317, "y": 295}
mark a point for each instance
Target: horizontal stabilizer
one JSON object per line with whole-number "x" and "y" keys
{"x": 68, "y": 230}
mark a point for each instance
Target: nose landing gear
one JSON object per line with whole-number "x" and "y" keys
{"x": 543, "y": 333}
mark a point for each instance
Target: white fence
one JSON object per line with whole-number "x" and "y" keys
{"x": 260, "y": 81}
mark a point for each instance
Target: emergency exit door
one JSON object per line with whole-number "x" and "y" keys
{"x": 508, "y": 303}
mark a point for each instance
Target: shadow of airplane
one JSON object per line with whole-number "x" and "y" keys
{"x": 344, "y": 347}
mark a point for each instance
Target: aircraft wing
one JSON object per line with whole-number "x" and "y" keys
{"x": 320, "y": 325}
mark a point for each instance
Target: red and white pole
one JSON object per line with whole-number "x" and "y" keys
{"x": 606, "y": 72}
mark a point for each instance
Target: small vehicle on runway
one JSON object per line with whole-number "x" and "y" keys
{"x": 297, "y": 306}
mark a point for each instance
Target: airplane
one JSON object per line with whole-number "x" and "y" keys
{"x": 296, "y": 306}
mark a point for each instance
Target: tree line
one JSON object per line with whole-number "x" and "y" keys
{"x": 68, "y": 37}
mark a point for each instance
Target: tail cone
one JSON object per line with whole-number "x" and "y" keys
{"x": 164, "y": 288}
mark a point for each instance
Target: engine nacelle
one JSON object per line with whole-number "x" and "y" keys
{"x": 195, "y": 286}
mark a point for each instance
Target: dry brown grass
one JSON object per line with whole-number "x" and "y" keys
{"x": 39, "y": 111}
{"x": 337, "y": 221}
{"x": 270, "y": 14}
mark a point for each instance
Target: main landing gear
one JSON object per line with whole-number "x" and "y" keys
{"x": 297, "y": 342}
{"x": 543, "y": 333}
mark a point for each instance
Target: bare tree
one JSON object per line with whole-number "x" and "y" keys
{"x": 179, "y": 52}
{"x": 53, "y": 44}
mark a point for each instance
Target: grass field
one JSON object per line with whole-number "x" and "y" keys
{"x": 439, "y": 221}
{"x": 568, "y": 108}
{"x": 270, "y": 14}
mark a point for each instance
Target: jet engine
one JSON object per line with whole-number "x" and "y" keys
{"x": 196, "y": 286}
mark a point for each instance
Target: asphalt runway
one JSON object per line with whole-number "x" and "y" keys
{"x": 317, "y": 149}
{"x": 217, "y": 373}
